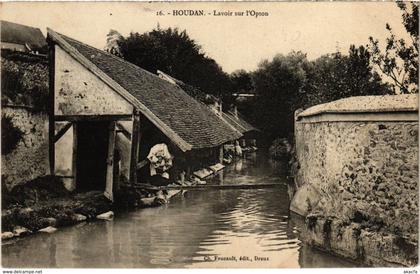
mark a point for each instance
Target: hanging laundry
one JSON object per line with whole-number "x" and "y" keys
{"x": 160, "y": 160}
{"x": 238, "y": 149}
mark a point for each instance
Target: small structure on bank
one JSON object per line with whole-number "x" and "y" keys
{"x": 248, "y": 131}
{"x": 22, "y": 38}
{"x": 357, "y": 177}
{"x": 107, "y": 114}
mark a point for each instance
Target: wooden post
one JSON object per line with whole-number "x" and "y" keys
{"x": 110, "y": 162}
{"x": 188, "y": 173}
{"x": 50, "y": 107}
{"x": 221, "y": 154}
{"x": 74, "y": 158}
{"x": 134, "y": 147}
{"x": 221, "y": 161}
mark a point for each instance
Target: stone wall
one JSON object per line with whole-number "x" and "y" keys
{"x": 29, "y": 159}
{"x": 359, "y": 168}
{"x": 24, "y": 97}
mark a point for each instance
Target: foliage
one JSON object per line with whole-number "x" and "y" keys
{"x": 41, "y": 189}
{"x": 280, "y": 149}
{"x": 400, "y": 61}
{"x": 11, "y": 135}
{"x": 112, "y": 42}
{"x": 291, "y": 82}
{"x": 277, "y": 84}
{"x": 241, "y": 81}
{"x": 336, "y": 76}
{"x": 282, "y": 85}
{"x": 174, "y": 52}
{"x": 24, "y": 80}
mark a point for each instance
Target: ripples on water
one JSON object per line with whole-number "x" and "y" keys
{"x": 189, "y": 232}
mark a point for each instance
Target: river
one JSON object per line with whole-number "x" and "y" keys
{"x": 201, "y": 228}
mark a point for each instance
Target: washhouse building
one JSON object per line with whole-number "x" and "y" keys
{"x": 107, "y": 114}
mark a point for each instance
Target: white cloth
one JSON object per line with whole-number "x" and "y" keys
{"x": 160, "y": 160}
{"x": 238, "y": 150}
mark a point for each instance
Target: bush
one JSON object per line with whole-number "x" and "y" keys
{"x": 24, "y": 80}
{"x": 11, "y": 135}
{"x": 280, "y": 149}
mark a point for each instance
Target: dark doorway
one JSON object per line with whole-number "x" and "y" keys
{"x": 92, "y": 152}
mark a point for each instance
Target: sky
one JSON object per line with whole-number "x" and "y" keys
{"x": 235, "y": 42}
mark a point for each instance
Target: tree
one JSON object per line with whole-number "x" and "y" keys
{"x": 290, "y": 82}
{"x": 399, "y": 61}
{"x": 112, "y": 39}
{"x": 278, "y": 83}
{"x": 241, "y": 81}
{"x": 336, "y": 76}
{"x": 174, "y": 52}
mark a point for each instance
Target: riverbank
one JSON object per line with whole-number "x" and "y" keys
{"x": 43, "y": 205}
{"x": 363, "y": 243}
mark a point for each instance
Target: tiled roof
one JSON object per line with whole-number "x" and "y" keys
{"x": 206, "y": 99}
{"x": 244, "y": 123}
{"x": 238, "y": 122}
{"x": 190, "y": 90}
{"x": 23, "y": 35}
{"x": 191, "y": 120}
{"x": 360, "y": 104}
{"x": 231, "y": 120}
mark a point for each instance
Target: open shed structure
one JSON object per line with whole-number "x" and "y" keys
{"x": 248, "y": 131}
{"x": 103, "y": 106}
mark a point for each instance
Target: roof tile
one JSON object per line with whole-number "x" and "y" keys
{"x": 193, "y": 121}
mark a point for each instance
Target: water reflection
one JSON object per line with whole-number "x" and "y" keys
{"x": 188, "y": 232}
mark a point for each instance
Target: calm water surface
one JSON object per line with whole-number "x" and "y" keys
{"x": 201, "y": 228}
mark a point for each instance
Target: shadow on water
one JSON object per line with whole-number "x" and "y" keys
{"x": 201, "y": 228}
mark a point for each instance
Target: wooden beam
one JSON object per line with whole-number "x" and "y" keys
{"x": 142, "y": 164}
{"x": 64, "y": 176}
{"x": 125, "y": 132}
{"x": 134, "y": 147}
{"x": 221, "y": 154}
{"x": 74, "y": 158}
{"x": 51, "y": 94}
{"x": 102, "y": 117}
{"x": 138, "y": 146}
{"x": 209, "y": 186}
{"x": 110, "y": 163}
{"x": 61, "y": 132}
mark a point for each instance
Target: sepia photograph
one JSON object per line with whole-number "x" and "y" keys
{"x": 139, "y": 135}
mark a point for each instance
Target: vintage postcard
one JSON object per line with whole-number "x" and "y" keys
{"x": 209, "y": 135}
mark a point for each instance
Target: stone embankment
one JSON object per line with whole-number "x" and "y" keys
{"x": 44, "y": 204}
{"x": 357, "y": 175}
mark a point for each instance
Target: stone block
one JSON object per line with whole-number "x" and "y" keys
{"x": 20, "y": 231}
{"x": 48, "y": 229}
{"x": 79, "y": 217}
{"x": 106, "y": 216}
{"x": 7, "y": 235}
{"x": 305, "y": 199}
